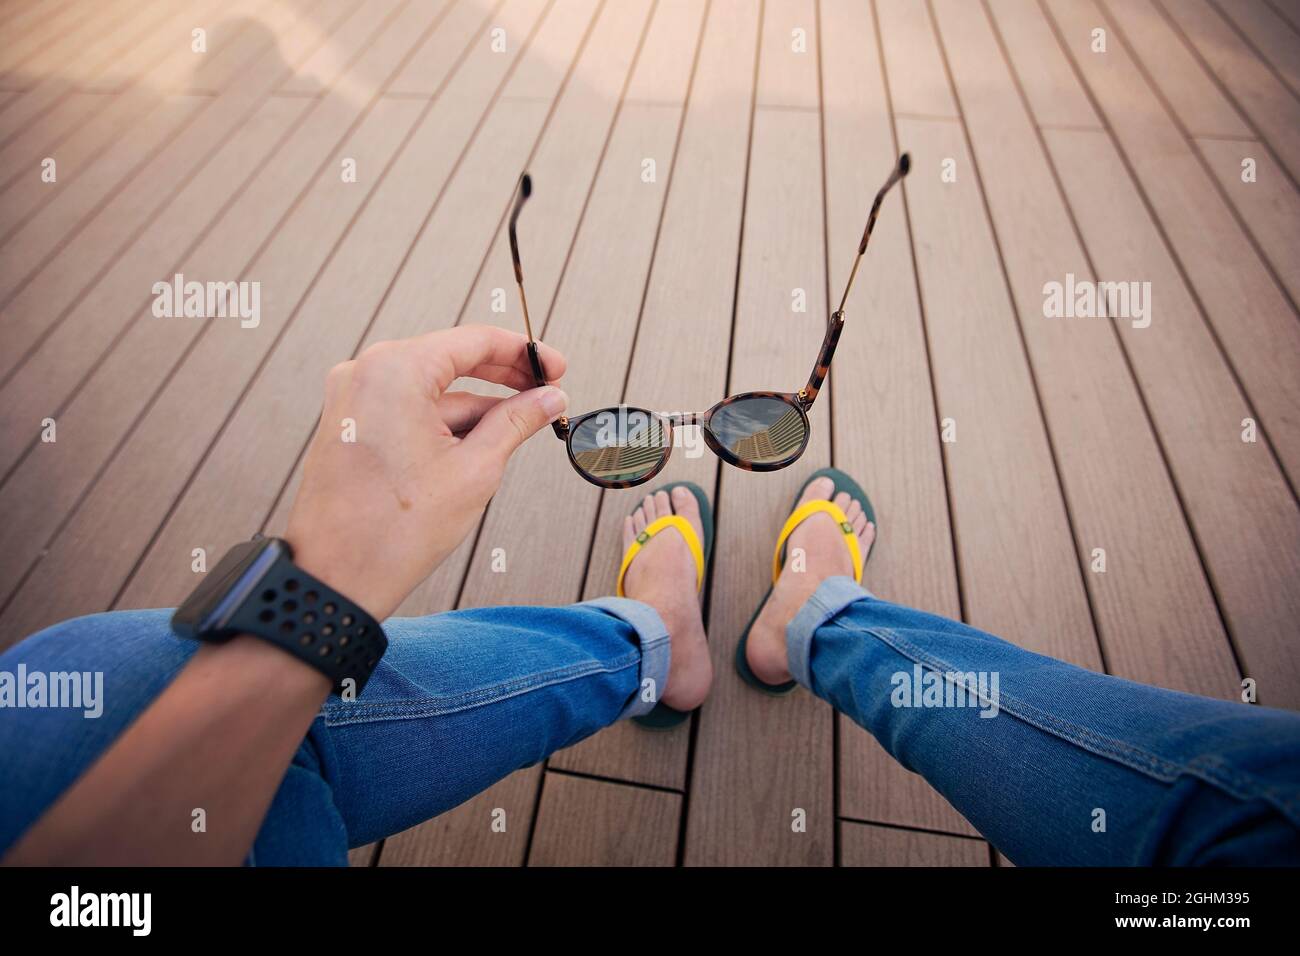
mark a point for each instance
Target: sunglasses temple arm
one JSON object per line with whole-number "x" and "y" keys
{"x": 808, "y": 394}
{"x": 525, "y": 189}
{"x": 900, "y": 170}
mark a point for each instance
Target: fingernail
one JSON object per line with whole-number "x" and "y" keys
{"x": 554, "y": 401}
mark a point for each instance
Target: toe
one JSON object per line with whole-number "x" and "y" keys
{"x": 650, "y": 509}
{"x": 662, "y": 506}
{"x": 684, "y": 504}
{"x": 866, "y": 536}
{"x": 859, "y": 523}
{"x": 638, "y": 521}
{"x": 842, "y": 500}
{"x": 852, "y": 511}
{"x": 818, "y": 488}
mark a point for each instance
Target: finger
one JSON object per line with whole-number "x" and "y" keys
{"x": 450, "y": 353}
{"x": 512, "y": 421}
{"x": 461, "y": 411}
{"x": 506, "y": 375}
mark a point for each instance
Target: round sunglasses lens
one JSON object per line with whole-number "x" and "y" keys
{"x": 620, "y": 444}
{"x": 760, "y": 430}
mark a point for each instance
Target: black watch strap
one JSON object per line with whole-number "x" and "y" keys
{"x": 313, "y": 622}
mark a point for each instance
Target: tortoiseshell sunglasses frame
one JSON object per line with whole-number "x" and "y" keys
{"x": 801, "y": 401}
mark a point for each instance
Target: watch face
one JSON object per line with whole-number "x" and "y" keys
{"x": 223, "y": 588}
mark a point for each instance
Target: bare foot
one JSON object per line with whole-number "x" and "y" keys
{"x": 663, "y": 576}
{"x": 825, "y": 556}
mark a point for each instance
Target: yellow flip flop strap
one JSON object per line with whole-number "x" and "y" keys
{"x": 806, "y": 511}
{"x": 667, "y": 521}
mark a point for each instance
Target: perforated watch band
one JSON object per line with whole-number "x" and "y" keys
{"x": 315, "y": 623}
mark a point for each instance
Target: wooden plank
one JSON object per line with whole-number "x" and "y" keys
{"x": 585, "y": 822}
{"x": 1242, "y": 511}
{"x": 141, "y": 461}
{"x": 881, "y": 388}
{"x": 1155, "y": 614}
{"x": 21, "y": 158}
{"x": 1262, "y": 208}
{"x": 27, "y": 25}
{"x": 32, "y": 243}
{"x": 864, "y": 845}
{"x": 1269, "y": 35}
{"x": 689, "y": 299}
{"x": 75, "y": 264}
{"x": 330, "y": 68}
{"x": 564, "y": 161}
{"x": 1261, "y": 95}
{"x": 1250, "y": 315}
{"x": 1020, "y": 578}
{"x": 173, "y": 39}
{"x": 620, "y": 204}
{"x": 1054, "y": 95}
{"x": 548, "y": 566}
{"x": 464, "y": 836}
{"x": 367, "y": 855}
{"x": 76, "y": 342}
{"x": 912, "y": 54}
{"x": 761, "y": 790}
{"x": 285, "y": 269}
{"x": 96, "y": 423}
{"x": 1269, "y": 206}
{"x": 247, "y": 465}
{"x": 27, "y": 60}
{"x": 1288, "y": 10}
{"x": 787, "y": 75}
{"x": 417, "y": 302}
{"x": 256, "y": 448}
{"x": 1192, "y": 92}
{"x": 77, "y": 132}
{"x": 97, "y": 41}
{"x": 60, "y": 381}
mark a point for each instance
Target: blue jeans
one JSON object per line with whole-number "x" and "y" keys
{"x": 1052, "y": 763}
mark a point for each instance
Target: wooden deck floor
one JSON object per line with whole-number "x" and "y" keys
{"x": 1081, "y": 486}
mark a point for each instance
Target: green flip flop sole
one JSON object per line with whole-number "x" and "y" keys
{"x": 664, "y": 717}
{"x": 842, "y": 483}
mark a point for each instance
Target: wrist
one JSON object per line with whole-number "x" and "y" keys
{"x": 344, "y": 576}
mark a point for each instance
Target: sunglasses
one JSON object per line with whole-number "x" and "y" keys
{"x": 623, "y": 446}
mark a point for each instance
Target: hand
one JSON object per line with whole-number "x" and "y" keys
{"x": 375, "y": 516}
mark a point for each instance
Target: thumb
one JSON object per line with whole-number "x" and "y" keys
{"x": 514, "y": 420}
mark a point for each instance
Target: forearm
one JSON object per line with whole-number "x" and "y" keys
{"x": 218, "y": 739}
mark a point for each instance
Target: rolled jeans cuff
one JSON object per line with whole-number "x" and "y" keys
{"x": 832, "y": 597}
{"x": 656, "y": 650}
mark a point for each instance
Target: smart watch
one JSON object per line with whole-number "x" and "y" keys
{"x": 257, "y": 589}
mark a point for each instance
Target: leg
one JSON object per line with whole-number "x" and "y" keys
{"x": 459, "y": 701}
{"x": 1041, "y": 747}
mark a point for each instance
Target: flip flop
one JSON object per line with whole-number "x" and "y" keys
{"x": 799, "y": 513}
{"x": 664, "y": 717}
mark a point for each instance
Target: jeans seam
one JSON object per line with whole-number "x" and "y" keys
{"x": 417, "y": 708}
{"x": 1240, "y": 785}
